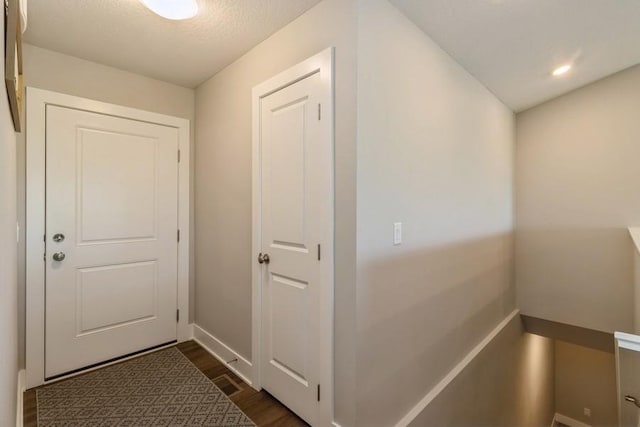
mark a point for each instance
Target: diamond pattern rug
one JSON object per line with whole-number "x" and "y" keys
{"x": 159, "y": 389}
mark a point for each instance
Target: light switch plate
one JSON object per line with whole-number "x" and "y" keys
{"x": 397, "y": 233}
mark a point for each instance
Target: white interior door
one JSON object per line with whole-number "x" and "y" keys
{"x": 296, "y": 174}
{"x": 111, "y": 244}
{"x": 628, "y": 373}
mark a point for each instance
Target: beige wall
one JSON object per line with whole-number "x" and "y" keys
{"x": 510, "y": 383}
{"x": 46, "y": 69}
{"x": 223, "y": 191}
{"x": 586, "y": 378}
{"x": 578, "y": 183}
{"x": 435, "y": 152}
{"x": 8, "y": 262}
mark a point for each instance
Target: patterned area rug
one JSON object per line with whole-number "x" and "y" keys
{"x": 160, "y": 389}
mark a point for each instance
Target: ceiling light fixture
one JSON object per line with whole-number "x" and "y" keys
{"x": 173, "y": 9}
{"x": 561, "y": 70}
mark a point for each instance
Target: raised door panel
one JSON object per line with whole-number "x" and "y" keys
{"x": 288, "y": 184}
{"x": 289, "y": 308}
{"x": 130, "y": 290}
{"x": 116, "y": 186}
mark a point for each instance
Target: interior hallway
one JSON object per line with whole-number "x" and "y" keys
{"x": 514, "y": 189}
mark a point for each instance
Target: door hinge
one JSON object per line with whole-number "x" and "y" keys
{"x": 178, "y": 156}
{"x": 318, "y": 392}
{"x": 318, "y": 251}
{"x": 177, "y": 316}
{"x": 319, "y": 111}
{"x": 178, "y": 235}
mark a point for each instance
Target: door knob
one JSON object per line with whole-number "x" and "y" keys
{"x": 263, "y": 258}
{"x": 59, "y": 256}
{"x": 632, "y": 399}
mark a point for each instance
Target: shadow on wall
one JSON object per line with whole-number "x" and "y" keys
{"x": 586, "y": 378}
{"x": 420, "y": 313}
{"x": 578, "y": 276}
{"x": 510, "y": 383}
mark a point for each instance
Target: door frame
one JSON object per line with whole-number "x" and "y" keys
{"x": 37, "y": 101}
{"x": 322, "y": 63}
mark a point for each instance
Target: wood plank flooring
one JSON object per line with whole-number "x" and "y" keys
{"x": 261, "y": 407}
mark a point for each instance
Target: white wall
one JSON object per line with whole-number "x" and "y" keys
{"x": 435, "y": 152}
{"x": 223, "y": 191}
{"x": 578, "y": 186}
{"x": 8, "y": 262}
{"x": 46, "y": 69}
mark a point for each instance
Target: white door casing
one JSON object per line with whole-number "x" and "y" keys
{"x": 293, "y": 225}
{"x": 102, "y": 249}
{"x": 112, "y": 192}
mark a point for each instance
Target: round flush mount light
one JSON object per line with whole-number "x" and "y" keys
{"x": 561, "y": 70}
{"x": 173, "y": 9}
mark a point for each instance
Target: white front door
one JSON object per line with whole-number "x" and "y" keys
{"x": 111, "y": 237}
{"x": 296, "y": 174}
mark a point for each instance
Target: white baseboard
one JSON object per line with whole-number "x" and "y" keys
{"x": 21, "y": 387}
{"x": 569, "y": 421}
{"x": 241, "y": 366}
{"x": 435, "y": 391}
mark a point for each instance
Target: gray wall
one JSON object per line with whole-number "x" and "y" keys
{"x": 435, "y": 152}
{"x": 8, "y": 262}
{"x": 578, "y": 183}
{"x": 46, "y": 69}
{"x": 510, "y": 383}
{"x": 223, "y": 191}
{"x": 586, "y": 378}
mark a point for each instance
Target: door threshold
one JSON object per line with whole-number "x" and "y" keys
{"x": 112, "y": 361}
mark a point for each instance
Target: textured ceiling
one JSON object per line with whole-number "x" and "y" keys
{"x": 512, "y": 45}
{"x": 126, "y": 35}
{"x": 509, "y": 45}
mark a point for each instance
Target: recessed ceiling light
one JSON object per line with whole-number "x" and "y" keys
{"x": 561, "y": 70}
{"x": 173, "y": 9}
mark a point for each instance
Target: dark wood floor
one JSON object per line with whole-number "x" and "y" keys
{"x": 261, "y": 407}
